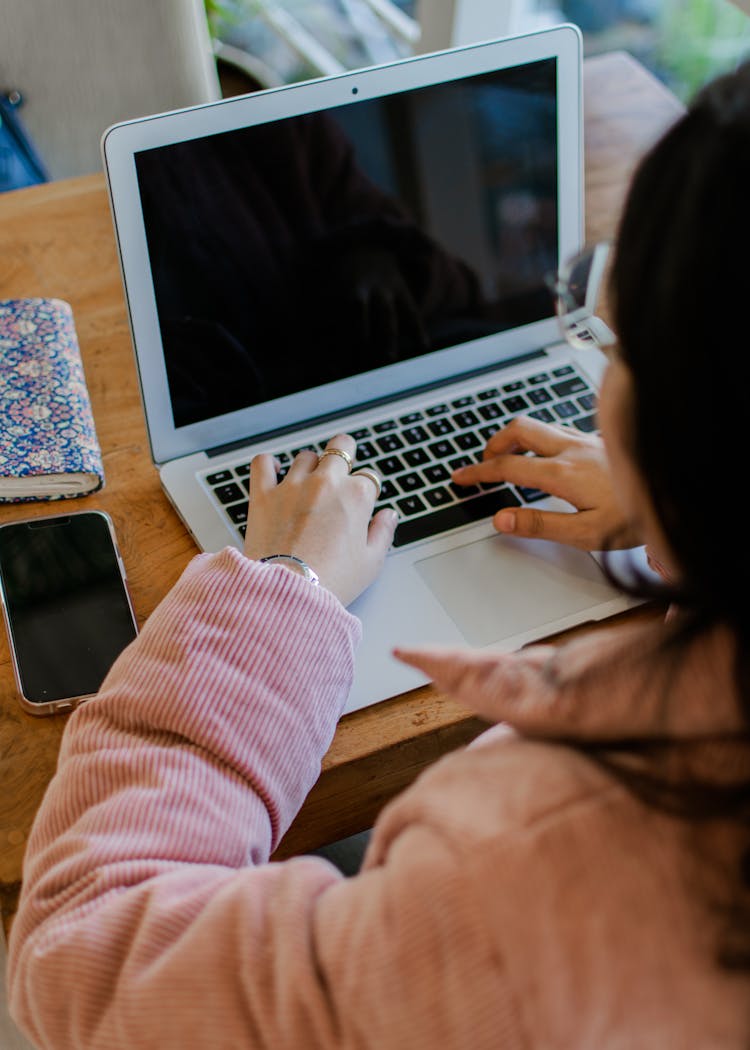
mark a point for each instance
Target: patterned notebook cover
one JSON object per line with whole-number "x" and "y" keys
{"x": 48, "y": 443}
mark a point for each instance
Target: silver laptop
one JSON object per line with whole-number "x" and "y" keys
{"x": 367, "y": 253}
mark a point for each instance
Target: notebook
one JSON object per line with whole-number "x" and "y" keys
{"x": 48, "y": 443}
{"x": 367, "y": 253}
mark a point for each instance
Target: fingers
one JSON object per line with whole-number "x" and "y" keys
{"x": 262, "y": 474}
{"x": 380, "y": 532}
{"x": 525, "y": 434}
{"x": 303, "y": 463}
{"x": 529, "y": 471}
{"x": 574, "y": 529}
{"x": 338, "y": 455}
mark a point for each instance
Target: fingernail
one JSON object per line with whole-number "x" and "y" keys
{"x": 505, "y": 521}
{"x": 393, "y": 517}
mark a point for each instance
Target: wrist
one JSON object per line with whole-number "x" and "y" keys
{"x": 293, "y": 564}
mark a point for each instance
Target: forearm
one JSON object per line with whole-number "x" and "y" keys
{"x": 190, "y": 764}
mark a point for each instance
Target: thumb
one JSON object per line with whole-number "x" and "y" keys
{"x": 530, "y": 523}
{"x": 380, "y": 532}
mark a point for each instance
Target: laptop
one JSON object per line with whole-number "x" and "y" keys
{"x": 367, "y": 253}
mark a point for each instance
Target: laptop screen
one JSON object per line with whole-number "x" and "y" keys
{"x": 313, "y": 248}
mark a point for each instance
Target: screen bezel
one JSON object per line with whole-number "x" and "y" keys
{"x": 123, "y": 141}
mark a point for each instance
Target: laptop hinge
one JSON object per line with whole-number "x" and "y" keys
{"x": 266, "y": 435}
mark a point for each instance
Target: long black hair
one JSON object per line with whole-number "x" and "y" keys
{"x": 680, "y": 295}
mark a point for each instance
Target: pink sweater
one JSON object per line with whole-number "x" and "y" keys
{"x": 515, "y": 896}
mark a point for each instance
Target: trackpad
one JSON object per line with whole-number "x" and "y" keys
{"x": 501, "y": 586}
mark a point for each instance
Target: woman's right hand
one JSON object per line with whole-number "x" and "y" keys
{"x": 564, "y": 463}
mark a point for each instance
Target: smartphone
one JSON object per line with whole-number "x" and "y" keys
{"x": 66, "y": 606}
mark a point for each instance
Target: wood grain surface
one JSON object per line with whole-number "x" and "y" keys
{"x": 57, "y": 240}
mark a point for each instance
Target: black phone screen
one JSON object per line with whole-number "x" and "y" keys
{"x": 67, "y": 607}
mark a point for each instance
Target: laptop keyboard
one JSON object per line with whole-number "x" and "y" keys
{"x": 415, "y": 454}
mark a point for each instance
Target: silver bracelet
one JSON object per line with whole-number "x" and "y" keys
{"x": 296, "y": 565}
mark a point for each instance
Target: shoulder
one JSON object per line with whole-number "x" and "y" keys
{"x": 581, "y": 893}
{"x": 502, "y": 784}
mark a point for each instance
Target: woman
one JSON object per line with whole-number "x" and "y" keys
{"x": 578, "y": 880}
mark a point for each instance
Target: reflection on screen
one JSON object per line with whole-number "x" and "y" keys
{"x": 310, "y": 249}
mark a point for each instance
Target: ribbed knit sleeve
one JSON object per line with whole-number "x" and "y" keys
{"x": 514, "y": 897}
{"x": 201, "y": 746}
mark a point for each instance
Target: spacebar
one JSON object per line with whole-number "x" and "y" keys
{"x": 452, "y": 517}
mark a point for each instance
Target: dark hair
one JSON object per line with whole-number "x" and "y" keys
{"x": 680, "y": 292}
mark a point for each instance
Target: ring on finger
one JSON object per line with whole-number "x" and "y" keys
{"x": 366, "y": 472}
{"x": 337, "y": 452}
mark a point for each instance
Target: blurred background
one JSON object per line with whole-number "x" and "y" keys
{"x": 684, "y": 42}
{"x": 103, "y": 61}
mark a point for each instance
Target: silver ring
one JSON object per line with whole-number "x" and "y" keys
{"x": 373, "y": 475}
{"x": 337, "y": 452}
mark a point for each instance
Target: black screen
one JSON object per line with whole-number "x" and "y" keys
{"x": 306, "y": 250}
{"x": 66, "y": 603}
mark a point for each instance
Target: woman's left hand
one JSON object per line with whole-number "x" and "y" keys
{"x": 322, "y": 514}
{"x": 564, "y": 463}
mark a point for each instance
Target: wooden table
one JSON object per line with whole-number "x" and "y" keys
{"x": 57, "y": 240}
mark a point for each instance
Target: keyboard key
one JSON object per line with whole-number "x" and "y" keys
{"x": 515, "y": 404}
{"x": 452, "y": 517}
{"x": 390, "y": 465}
{"x": 442, "y": 449}
{"x": 437, "y": 472}
{"x": 437, "y": 410}
{"x": 416, "y": 457}
{"x": 586, "y": 424}
{"x": 386, "y": 425}
{"x": 229, "y": 493}
{"x": 242, "y": 530}
{"x": 389, "y": 443}
{"x": 543, "y": 414}
{"x": 566, "y": 370}
{"x": 570, "y": 386}
{"x": 366, "y": 450}
{"x": 238, "y": 513}
{"x": 438, "y": 497}
{"x": 467, "y": 441}
{"x": 531, "y": 495}
{"x": 411, "y": 482}
{"x": 488, "y": 395}
{"x": 587, "y": 402}
{"x": 410, "y": 505}
{"x": 415, "y": 435}
{"x": 243, "y": 470}
{"x": 487, "y": 432}
{"x": 491, "y": 411}
{"x": 565, "y": 410}
{"x": 219, "y": 477}
{"x": 462, "y": 402}
{"x": 387, "y": 490}
{"x": 363, "y": 432}
{"x": 462, "y": 461}
{"x": 466, "y": 419}
{"x": 245, "y": 482}
{"x": 463, "y": 491}
{"x": 540, "y": 396}
{"x": 303, "y": 448}
{"x": 511, "y": 388}
{"x": 542, "y": 377}
{"x": 412, "y": 417}
{"x": 440, "y": 427}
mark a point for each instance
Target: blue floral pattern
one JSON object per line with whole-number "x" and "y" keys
{"x": 47, "y": 425}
